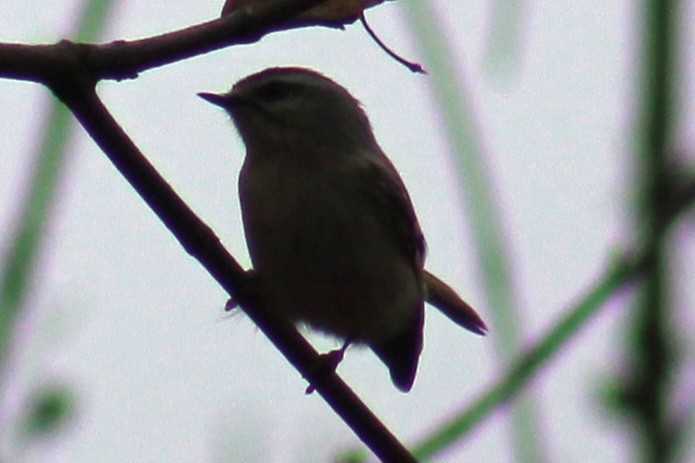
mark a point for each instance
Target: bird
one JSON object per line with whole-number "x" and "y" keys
{"x": 332, "y": 233}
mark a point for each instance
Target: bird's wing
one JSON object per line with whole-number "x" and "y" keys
{"x": 386, "y": 192}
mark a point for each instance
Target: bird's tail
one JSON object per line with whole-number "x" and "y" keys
{"x": 443, "y": 297}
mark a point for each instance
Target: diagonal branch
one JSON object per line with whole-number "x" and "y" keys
{"x": 199, "y": 241}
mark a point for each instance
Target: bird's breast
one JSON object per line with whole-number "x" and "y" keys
{"x": 322, "y": 254}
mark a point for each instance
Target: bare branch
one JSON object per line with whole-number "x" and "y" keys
{"x": 126, "y": 59}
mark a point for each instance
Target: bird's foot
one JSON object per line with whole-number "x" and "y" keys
{"x": 327, "y": 364}
{"x": 252, "y": 286}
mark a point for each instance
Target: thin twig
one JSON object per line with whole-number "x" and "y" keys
{"x": 411, "y": 65}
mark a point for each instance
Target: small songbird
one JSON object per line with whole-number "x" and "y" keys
{"x": 330, "y": 228}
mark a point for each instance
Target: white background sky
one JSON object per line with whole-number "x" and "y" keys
{"x": 135, "y": 326}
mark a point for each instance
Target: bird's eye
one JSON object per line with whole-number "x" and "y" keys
{"x": 275, "y": 91}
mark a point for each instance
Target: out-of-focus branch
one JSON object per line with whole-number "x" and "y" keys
{"x": 492, "y": 253}
{"x": 645, "y": 388}
{"x": 23, "y": 246}
{"x": 681, "y": 188}
{"x": 621, "y": 274}
{"x": 617, "y": 277}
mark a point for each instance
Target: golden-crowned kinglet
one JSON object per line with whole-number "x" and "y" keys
{"x": 330, "y": 227}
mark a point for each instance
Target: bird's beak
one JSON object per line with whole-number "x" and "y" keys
{"x": 218, "y": 99}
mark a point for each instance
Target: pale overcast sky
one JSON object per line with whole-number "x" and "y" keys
{"x": 136, "y": 327}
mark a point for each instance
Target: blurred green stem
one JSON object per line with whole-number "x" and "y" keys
{"x": 480, "y": 202}
{"x": 645, "y": 391}
{"x": 526, "y": 366}
{"x": 504, "y": 39}
{"x": 23, "y": 251}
